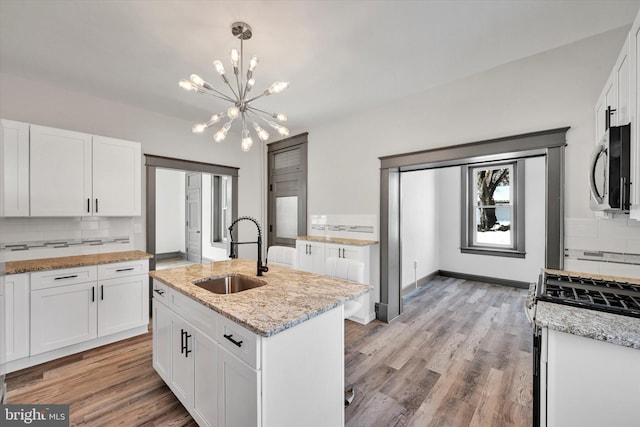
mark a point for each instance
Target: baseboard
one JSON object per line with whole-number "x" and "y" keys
{"x": 421, "y": 282}
{"x": 171, "y": 255}
{"x": 485, "y": 279}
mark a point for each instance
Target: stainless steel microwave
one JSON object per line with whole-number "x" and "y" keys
{"x": 609, "y": 173}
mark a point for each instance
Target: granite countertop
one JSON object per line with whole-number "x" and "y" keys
{"x": 289, "y": 297}
{"x": 15, "y": 267}
{"x": 338, "y": 240}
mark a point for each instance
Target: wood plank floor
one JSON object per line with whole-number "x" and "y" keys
{"x": 459, "y": 355}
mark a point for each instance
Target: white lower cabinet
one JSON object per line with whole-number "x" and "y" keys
{"x": 311, "y": 256}
{"x": 231, "y": 377}
{"x": 123, "y": 304}
{"x": 62, "y": 316}
{"x": 16, "y": 315}
{"x": 238, "y": 388}
{"x": 54, "y": 313}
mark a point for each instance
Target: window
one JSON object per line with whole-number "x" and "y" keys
{"x": 220, "y": 208}
{"x": 493, "y": 209}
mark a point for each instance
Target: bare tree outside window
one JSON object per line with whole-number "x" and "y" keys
{"x": 493, "y": 201}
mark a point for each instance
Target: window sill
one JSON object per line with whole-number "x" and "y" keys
{"x": 507, "y": 253}
{"x": 221, "y": 245}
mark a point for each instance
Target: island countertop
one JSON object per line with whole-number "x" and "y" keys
{"x": 16, "y": 267}
{"x": 288, "y": 298}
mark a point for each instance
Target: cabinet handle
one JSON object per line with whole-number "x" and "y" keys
{"x": 96, "y": 205}
{"x": 181, "y": 341}
{"x": 159, "y": 291}
{"x": 230, "y": 338}
{"x": 186, "y": 344}
{"x": 309, "y": 249}
{"x": 93, "y": 294}
{"x": 88, "y": 205}
{"x": 124, "y": 269}
{"x": 101, "y": 292}
{"x": 66, "y": 277}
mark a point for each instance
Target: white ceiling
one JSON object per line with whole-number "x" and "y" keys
{"x": 340, "y": 56}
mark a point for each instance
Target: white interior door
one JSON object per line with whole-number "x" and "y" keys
{"x": 193, "y": 211}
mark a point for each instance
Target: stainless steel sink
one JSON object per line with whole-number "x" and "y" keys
{"x": 229, "y": 284}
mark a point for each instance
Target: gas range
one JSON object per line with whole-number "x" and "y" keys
{"x": 617, "y": 296}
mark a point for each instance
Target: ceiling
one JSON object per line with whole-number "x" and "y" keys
{"x": 340, "y": 56}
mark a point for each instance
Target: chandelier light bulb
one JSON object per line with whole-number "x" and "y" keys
{"x": 250, "y": 83}
{"x": 196, "y": 80}
{"x": 263, "y": 135}
{"x": 198, "y": 128}
{"x": 252, "y": 63}
{"x": 221, "y": 134}
{"x": 247, "y": 142}
{"x": 283, "y": 131}
{"x": 219, "y": 67}
{"x": 235, "y": 57}
{"x": 281, "y": 117}
{"x": 277, "y": 87}
{"x": 187, "y": 85}
{"x": 215, "y": 119}
{"x": 233, "y": 112}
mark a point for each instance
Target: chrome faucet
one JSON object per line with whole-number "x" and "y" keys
{"x": 233, "y": 253}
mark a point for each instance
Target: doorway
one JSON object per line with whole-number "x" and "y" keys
{"x": 214, "y": 188}
{"x": 548, "y": 144}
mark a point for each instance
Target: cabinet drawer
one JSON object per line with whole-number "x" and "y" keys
{"x": 203, "y": 318}
{"x": 160, "y": 292}
{"x": 122, "y": 269}
{"x": 63, "y": 277}
{"x": 239, "y": 341}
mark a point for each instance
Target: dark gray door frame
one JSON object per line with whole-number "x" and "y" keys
{"x": 548, "y": 143}
{"x": 153, "y": 162}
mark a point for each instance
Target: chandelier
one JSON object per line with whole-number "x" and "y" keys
{"x": 242, "y": 106}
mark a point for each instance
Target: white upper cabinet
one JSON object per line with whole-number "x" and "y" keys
{"x": 60, "y": 170}
{"x": 14, "y": 161}
{"x": 622, "y": 72}
{"x": 117, "y": 177}
{"x": 77, "y": 174}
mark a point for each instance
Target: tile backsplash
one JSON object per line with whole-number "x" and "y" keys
{"x": 609, "y": 246}
{"x": 34, "y": 238}
{"x": 363, "y": 227}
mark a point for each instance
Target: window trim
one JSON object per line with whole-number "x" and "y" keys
{"x": 221, "y": 210}
{"x": 467, "y": 245}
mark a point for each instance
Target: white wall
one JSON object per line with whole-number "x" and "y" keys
{"x": 554, "y": 89}
{"x": 170, "y": 207}
{"x": 419, "y": 225}
{"x": 521, "y": 269}
{"x": 63, "y": 107}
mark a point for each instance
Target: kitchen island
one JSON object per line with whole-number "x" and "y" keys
{"x": 268, "y": 356}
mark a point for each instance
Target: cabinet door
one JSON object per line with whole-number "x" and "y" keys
{"x": 634, "y": 57}
{"x": 205, "y": 396}
{"x": 311, "y": 256}
{"x": 117, "y": 170}
{"x": 60, "y": 172}
{"x": 345, "y": 251}
{"x": 63, "y": 316}
{"x": 622, "y": 82}
{"x": 238, "y": 392}
{"x": 16, "y": 312}
{"x": 14, "y": 161}
{"x": 162, "y": 340}
{"x": 123, "y": 304}
{"x": 181, "y": 382}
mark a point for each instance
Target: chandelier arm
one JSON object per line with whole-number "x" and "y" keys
{"x": 211, "y": 88}
{"x": 254, "y": 111}
{"x": 257, "y": 97}
{"x": 232, "y": 91}
{"x": 264, "y": 112}
{"x": 239, "y": 75}
{"x": 221, "y": 96}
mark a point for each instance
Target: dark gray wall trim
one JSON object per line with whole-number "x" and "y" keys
{"x": 528, "y": 143}
{"x": 485, "y": 279}
{"x": 189, "y": 165}
{"x": 390, "y": 294}
{"x": 554, "y": 237}
{"x": 289, "y": 142}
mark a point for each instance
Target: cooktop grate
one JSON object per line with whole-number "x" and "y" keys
{"x": 595, "y": 294}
